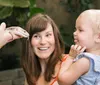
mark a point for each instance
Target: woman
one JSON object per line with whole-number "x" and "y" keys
{"x": 43, "y": 57}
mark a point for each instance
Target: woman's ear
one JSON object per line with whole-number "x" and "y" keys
{"x": 97, "y": 38}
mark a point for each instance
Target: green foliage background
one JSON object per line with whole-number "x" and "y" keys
{"x": 20, "y": 10}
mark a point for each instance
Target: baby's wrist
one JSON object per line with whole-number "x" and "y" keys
{"x": 72, "y": 57}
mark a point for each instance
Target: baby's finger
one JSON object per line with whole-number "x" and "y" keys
{"x": 72, "y": 51}
{"x": 79, "y": 48}
{"x": 83, "y": 49}
{"x": 75, "y": 46}
{"x": 72, "y": 46}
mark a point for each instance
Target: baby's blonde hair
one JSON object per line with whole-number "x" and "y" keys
{"x": 94, "y": 16}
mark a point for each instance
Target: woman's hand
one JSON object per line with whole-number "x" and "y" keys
{"x": 75, "y": 50}
{"x": 11, "y": 33}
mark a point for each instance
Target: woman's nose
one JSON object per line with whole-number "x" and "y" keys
{"x": 43, "y": 40}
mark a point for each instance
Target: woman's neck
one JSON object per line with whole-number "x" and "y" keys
{"x": 43, "y": 63}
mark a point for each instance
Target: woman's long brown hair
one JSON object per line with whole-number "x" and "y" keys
{"x": 29, "y": 60}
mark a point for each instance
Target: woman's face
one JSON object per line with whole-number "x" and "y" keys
{"x": 44, "y": 42}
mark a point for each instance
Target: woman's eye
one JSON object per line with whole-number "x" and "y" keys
{"x": 36, "y": 36}
{"x": 48, "y": 35}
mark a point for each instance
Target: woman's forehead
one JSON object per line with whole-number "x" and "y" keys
{"x": 48, "y": 28}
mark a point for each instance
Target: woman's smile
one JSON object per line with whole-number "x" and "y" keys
{"x": 43, "y": 48}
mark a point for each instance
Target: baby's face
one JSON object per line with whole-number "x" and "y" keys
{"x": 84, "y": 34}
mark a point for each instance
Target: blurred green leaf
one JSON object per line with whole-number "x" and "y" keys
{"x": 32, "y": 3}
{"x": 35, "y": 10}
{"x": 5, "y": 12}
{"x": 15, "y": 3}
{"x": 21, "y": 10}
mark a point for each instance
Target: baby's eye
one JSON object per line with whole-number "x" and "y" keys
{"x": 80, "y": 30}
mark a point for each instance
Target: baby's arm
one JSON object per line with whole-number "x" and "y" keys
{"x": 70, "y": 71}
{"x": 74, "y": 51}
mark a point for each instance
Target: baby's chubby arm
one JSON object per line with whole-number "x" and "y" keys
{"x": 69, "y": 69}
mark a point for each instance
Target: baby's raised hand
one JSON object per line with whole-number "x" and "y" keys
{"x": 75, "y": 50}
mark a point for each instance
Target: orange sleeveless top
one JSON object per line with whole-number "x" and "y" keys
{"x": 56, "y": 78}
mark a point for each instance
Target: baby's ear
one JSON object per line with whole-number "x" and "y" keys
{"x": 97, "y": 38}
